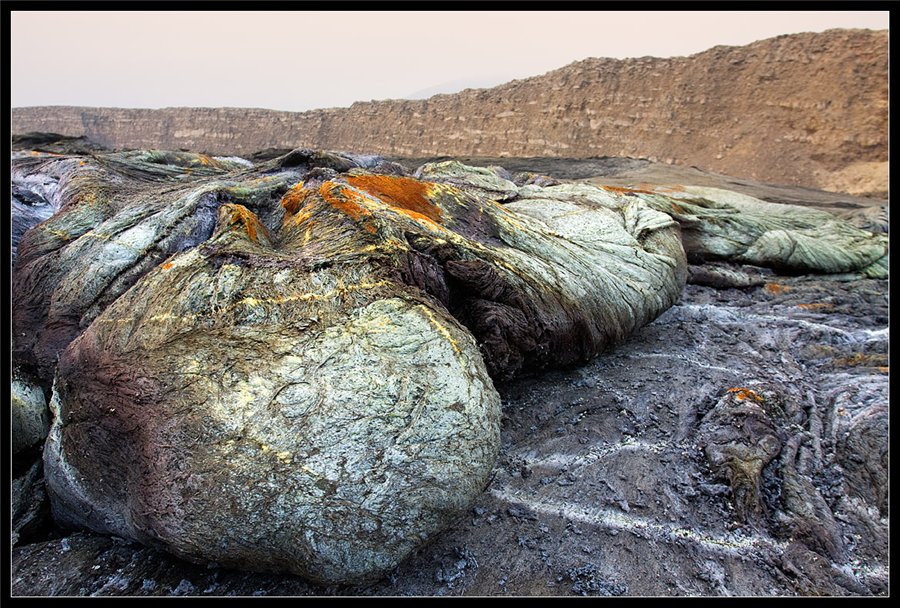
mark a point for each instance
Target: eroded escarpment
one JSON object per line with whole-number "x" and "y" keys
{"x": 777, "y": 110}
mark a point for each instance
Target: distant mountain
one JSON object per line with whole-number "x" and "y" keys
{"x": 805, "y": 109}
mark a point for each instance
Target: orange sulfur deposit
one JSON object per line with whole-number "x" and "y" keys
{"x": 344, "y": 199}
{"x": 621, "y": 190}
{"x": 241, "y": 215}
{"x": 295, "y": 198}
{"x": 816, "y": 306}
{"x": 402, "y": 193}
{"x": 742, "y": 394}
{"x": 406, "y": 195}
{"x": 776, "y": 289}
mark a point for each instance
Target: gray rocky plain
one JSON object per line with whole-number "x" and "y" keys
{"x": 595, "y": 377}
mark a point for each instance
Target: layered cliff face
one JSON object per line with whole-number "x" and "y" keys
{"x": 805, "y": 109}
{"x": 793, "y": 109}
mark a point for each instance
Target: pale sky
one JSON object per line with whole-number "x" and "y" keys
{"x": 304, "y": 60}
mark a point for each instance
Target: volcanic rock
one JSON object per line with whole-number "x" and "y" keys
{"x": 28, "y": 411}
{"x": 298, "y": 390}
{"x": 290, "y": 366}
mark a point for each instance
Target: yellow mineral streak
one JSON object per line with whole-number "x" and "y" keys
{"x": 253, "y": 302}
{"x": 58, "y": 233}
{"x": 302, "y": 297}
{"x": 170, "y": 317}
{"x": 385, "y": 246}
{"x": 441, "y": 329}
{"x": 244, "y": 396}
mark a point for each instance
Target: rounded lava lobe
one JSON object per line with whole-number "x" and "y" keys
{"x": 339, "y": 488}
{"x": 29, "y": 415}
{"x": 102, "y": 408}
{"x": 357, "y": 477}
{"x": 519, "y": 284}
{"x": 322, "y": 404}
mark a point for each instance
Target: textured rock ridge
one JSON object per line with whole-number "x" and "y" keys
{"x": 776, "y": 110}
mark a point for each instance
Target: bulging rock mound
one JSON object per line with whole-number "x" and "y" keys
{"x": 288, "y": 366}
{"x": 272, "y": 368}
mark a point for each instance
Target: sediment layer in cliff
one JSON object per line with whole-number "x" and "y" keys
{"x": 777, "y": 110}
